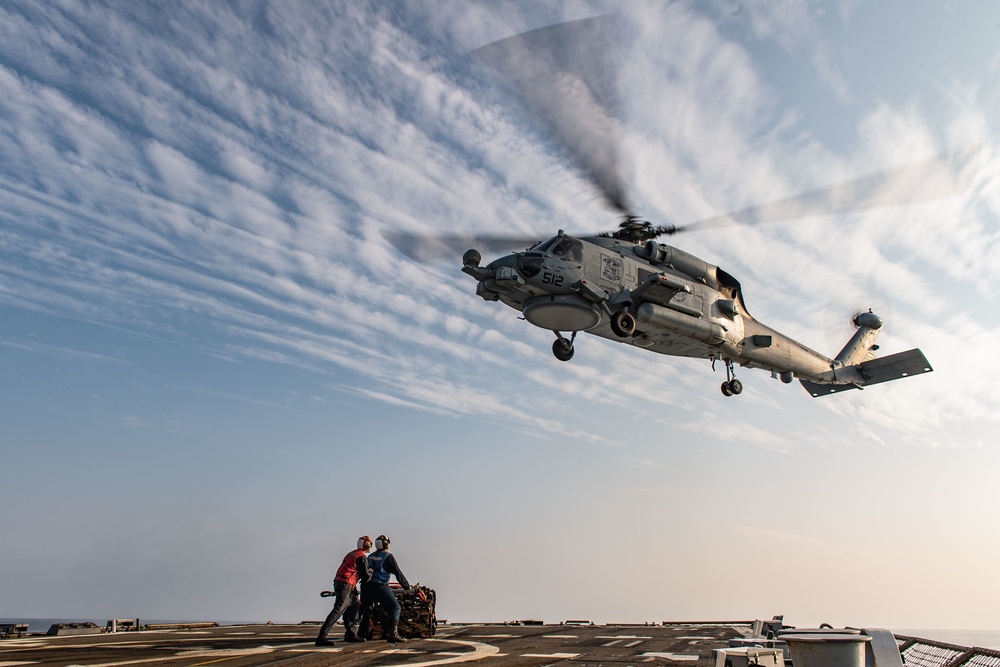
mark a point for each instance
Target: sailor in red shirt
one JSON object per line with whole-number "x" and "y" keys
{"x": 353, "y": 569}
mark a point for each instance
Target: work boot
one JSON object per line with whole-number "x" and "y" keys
{"x": 323, "y": 641}
{"x": 393, "y": 636}
{"x": 353, "y": 638}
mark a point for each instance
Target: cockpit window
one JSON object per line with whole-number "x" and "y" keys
{"x": 568, "y": 248}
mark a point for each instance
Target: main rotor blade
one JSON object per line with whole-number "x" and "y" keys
{"x": 565, "y": 76}
{"x": 453, "y": 246}
{"x": 945, "y": 176}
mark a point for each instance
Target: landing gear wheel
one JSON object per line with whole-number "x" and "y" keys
{"x": 623, "y": 324}
{"x": 563, "y": 349}
{"x": 731, "y": 386}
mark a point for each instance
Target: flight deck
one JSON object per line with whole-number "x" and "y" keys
{"x": 293, "y": 646}
{"x": 519, "y": 643}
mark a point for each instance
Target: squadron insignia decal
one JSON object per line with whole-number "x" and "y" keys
{"x": 612, "y": 268}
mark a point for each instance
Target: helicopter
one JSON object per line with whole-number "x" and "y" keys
{"x": 625, "y": 285}
{"x": 628, "y": 287}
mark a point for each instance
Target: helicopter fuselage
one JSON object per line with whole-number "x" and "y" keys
{"x": 654, "y": 297}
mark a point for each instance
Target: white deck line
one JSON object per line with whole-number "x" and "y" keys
{"x": 479, "y": 651}
{"x": 682, "y": 657}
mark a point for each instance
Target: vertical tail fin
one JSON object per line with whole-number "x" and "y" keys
{"x": 862, "y": 345}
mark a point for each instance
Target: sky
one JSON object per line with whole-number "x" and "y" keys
{"x": 216, "y": 373}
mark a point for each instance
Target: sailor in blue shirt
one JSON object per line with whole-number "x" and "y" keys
{"x": 383, "y": 565}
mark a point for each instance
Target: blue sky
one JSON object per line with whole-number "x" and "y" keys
{"x": 215, "y": 373}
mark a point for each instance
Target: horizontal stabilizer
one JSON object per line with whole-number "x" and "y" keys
{"x": 895, "y": 366}
{"x": 876, "y": 371}
{"x": 817, "y": 390}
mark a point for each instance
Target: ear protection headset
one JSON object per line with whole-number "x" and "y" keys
{"x": 365, "y": 543}
{"x": 382, "y": 542}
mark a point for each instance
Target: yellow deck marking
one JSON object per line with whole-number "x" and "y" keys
{"x": 199, "y": 664}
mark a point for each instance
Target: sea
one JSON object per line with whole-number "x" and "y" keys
{"x": 43, "y": 624}
{"x": 980, "y": 638}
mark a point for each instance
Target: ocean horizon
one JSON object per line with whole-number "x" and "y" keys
{"x": 979, "y": 638}
{"x": 43, "y": 624}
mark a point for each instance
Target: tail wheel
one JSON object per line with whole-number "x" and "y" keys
{"x": 623, "y": 324}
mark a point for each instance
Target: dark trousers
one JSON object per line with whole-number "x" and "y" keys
{"x": 346, "y": 605}
{"x": 381, "y": 593}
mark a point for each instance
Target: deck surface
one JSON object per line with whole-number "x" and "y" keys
{"x": 292, "y": 646}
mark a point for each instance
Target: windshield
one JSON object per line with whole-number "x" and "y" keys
{"x": 568, "y": 248}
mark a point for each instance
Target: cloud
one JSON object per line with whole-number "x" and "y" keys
{"x": 173, "y": 177}
{"x": 53, "y": 350}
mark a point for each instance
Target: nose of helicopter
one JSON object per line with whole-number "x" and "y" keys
{"x": 529, "y": 264}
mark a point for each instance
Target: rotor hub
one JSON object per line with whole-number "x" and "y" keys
{"x": 637, "y": 231}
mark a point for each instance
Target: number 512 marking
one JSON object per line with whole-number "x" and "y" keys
{"x": 550, "y": 278}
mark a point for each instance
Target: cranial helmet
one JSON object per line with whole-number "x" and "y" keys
{"x": 382, "y": 542}
{"x": 365, "y": 543}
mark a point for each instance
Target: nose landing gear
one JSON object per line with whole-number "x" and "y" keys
{"x": 731, "y": 386}
{"x": 562, "y": 348}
